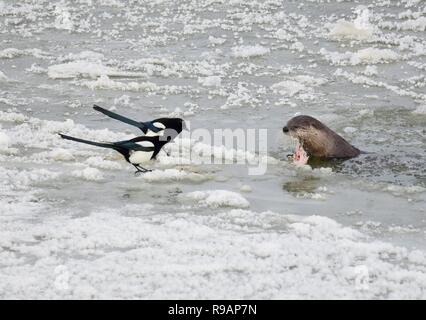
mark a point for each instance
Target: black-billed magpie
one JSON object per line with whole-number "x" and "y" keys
{"x": 136, "y": 151}
{"x": 152, "y": 128}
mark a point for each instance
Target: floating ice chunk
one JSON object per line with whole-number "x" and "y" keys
{"x": 249, "y": 51}
{"x": 288, "y": 87}
{"x": 240, "y": 97}
{"x": 21, "y": 179}
{"x": 359, "y": 29}
{"x": 89, "y": 174}
{"x": 420, "y": 109}
{"x": 370, "y": 71}
{"x": 60, "y": 154}
{"x": 363, "y": 56}
{"x": 36, "y": 69}
{"x": 216, "y": 41}
{"x": 373, "y": 55}
{"x": 245, "y": 188}
{"x": 111, "y": 3}
{"x": 217, "y": 198}
{"x": 124, "y": 100}
{"x": 283, "y": 34}
{"x": 310, "y": 81}
{"x": 12, "y": 117}
{"x": 63, "y": 19}
{"x": 10, "y": 53}
{"x": 85, "y": 69}
{"x": 84, "y": 55}
{"x": 404, "y": 190}
{"x": 347, "y": 30}
{"x": 103, "y": 164}
{"x": 418, "y": 24}
{"x": 417, "y": 256}
{"x": 104, "y": 82}
{"x": 212, "y": 81}
{"x": 3, "y": 77}
{"x": 297, "y": 46}
{"x": 173, "y": 175}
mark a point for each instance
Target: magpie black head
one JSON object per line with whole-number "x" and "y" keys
{"x": 176, "y": 124}
{"x": 173, "y": 127}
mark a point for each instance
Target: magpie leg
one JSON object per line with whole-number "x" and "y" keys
{"x": 144, "y": 169}
{"x": 167, "y": 152}
{"x": 140, "y": 169}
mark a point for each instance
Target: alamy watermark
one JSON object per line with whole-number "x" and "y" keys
{"x": 225, "y": 146}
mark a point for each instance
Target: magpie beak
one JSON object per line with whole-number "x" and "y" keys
{"x": 155, "y": 127}
{"x": 136, "y": 151}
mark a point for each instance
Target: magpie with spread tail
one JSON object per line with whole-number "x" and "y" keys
{"x": 152, "y": 128}
{"x": 136, "y": 151}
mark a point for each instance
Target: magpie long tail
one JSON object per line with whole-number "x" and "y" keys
{"x": 93, "y": 143}
{"x": 118, "y": 117}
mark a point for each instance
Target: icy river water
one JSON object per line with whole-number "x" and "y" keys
{"x": 75, "y": 222}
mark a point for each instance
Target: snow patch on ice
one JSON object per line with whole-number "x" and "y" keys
{"x": 288, "y": 87}
{"x": 170, "y": 175}
{"x": 10, "y": 53}
{"x": 246, "y": 255}
{"x": 249, "y": 51}
{"x": 4, "y": 141}
{"x": 212, "y": 81}
{"x": 363, "y": 56}
{"x": 85, "y": 69}
{"x": 216, "y": 198}
{"x": 370, "y": 71}
{"x": 85, "y": 55}
{"x": 420, "y": 110}
{"x": 3, "y": 77}
{"x": 101, "y": 163}
{"x": 88, "y": 174}
{"x": 359, "y": 29}
{"x": 12, "y": 117}
{"x": 63, "y": 20}
{"x": 104, "y": 82}
{"x": 60, "y": 154}
{"x": 216, "y": 41}
{"x": 301, "y": 84}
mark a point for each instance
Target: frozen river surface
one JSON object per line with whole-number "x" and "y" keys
{"x": 75, "y": 222}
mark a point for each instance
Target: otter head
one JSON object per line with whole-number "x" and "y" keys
{"x": 310, "y": 133}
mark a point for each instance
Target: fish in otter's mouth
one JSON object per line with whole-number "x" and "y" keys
{"x": 317, "y": 140}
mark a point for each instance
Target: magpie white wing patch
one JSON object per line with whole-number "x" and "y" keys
{"x": 146, "y": 144}
{"x": 158, "y": 125}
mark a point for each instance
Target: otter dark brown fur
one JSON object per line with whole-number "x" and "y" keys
{"x": 318, "y": 140}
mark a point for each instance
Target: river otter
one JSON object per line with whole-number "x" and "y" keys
{"x": 318, "y": 140}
